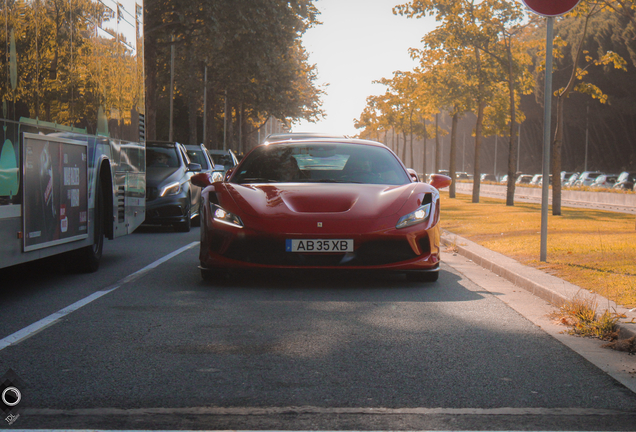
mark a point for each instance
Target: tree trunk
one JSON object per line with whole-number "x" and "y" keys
{"x": 478, "y": 130}
{"x": 193, "y": 105}
{"x": 512, "y": 149}
{"x": 555, "y": 159}
{"x": 452, "y": 168}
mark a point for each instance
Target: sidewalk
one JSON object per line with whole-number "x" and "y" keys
{"x": 550, "y": 288}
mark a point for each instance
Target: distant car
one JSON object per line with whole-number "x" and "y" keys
{"x": 462, "y": 176}
{"x": 569, "y": 182}
{"x": 504, "y": 180}
{"x": 625, "y": 181}
{"x": 586, "y": 178}
{"x": 536, "y": 179}
{"x": 170, "y": 197}
{"x": 604, "y": 181}
{"x": 489, "y": 178}
{"x": 524, "y": 179}
{"x": 326, "y": 204}
{"x": 565, "y": 176}
{"x": 224, "y": 160}
{"x": 199, "y": 154}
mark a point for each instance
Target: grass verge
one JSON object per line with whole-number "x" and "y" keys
{"x": 593, "y": 249}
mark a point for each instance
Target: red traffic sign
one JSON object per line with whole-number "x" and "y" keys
{"x": 551, "y": 7}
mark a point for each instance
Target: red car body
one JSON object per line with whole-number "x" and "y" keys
{"x": 267, "y": 220}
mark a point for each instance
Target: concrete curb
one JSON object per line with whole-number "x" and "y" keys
{"x": 550, "y": 288}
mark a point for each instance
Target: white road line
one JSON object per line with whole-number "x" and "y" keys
{"x": 36, "y": 327}
{"x": 265, "y": 411}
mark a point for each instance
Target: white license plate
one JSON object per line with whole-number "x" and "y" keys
{"x": 319, "y": 245}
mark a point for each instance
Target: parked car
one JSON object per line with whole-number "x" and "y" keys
{"x": 223, "y": 160}
{"x": 569, "y": 182}
{"x": 604, "y": 181}
{"x": 625, "y": 181}
{"x": 170, "y": 197}
{"x": 323, "y": 204}
{"x": 489, "y": 178}
{"x": 587, "y": 178}
{"x": 536, "y": 179}
{"x": 524, "y": 179}
{"x": 199, "y": 154}
{"x": 565, "y": 176}
{"x": 504, "y": 180}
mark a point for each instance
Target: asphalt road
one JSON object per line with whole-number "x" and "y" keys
{"x": 304, "y": 351}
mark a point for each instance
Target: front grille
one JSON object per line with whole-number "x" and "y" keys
{"x": 272, "y": 252}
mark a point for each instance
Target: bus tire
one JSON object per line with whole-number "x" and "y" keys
{"x": 89, "y": 257}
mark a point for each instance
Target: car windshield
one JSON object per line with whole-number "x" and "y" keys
{"x": 162, "y": 157}
{"x": 224, "y": 160}
{"x": 321, "y": 163}
{"x": 197, "y": 156}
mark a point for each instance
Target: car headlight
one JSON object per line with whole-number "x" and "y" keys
{"x": 171, "y": 189}
{"x": 418, "y": 216}
{"x": 221, "y": 215}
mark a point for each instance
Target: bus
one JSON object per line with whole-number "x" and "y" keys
{"x": 72, "y": 149}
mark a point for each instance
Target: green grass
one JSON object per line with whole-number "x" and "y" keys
{"x": 593, "y": 249}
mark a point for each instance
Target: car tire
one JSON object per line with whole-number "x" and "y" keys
{"x": 187, "y": 223}
{"x": 423, "y": 276}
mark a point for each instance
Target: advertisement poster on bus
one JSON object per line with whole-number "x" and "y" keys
{"x": 55, "y": 191}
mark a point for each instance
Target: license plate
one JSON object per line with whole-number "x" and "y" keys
{"x": 319, "y": 245}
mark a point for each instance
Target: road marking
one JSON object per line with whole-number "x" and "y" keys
{"x": 36, "y": 327}
{"x": 261, "y": 411}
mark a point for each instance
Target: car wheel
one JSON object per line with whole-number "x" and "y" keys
{"x": 423, "y": 276}
{"x": 185, "y": 225}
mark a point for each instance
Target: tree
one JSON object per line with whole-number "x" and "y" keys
{"x": 576, "y": 83}
{"x": 461, "y": 32}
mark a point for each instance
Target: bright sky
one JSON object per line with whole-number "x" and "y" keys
{"x": 359, "y": 41}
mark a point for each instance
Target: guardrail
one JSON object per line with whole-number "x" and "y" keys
{"x": 619, "y": 202}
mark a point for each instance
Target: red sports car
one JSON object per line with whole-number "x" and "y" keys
{"x": 321, "y": 203}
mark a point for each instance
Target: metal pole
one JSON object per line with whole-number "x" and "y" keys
{"x": 205, "y": 102}
{"x": 587, "y": 134}
{"x": 547, "y": 115}
{"x": 464, "y": 152}
{"x": 170, "y": 130}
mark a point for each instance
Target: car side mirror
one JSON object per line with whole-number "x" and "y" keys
{"x": 228, "y": 174}
{"x": 202, "y": 180}
{"x": 413, "y": 174}
{"x": 439, "y": 181}
{"x": 195, "y": 167}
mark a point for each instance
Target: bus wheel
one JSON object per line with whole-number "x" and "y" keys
{"x": 88, "y": 257}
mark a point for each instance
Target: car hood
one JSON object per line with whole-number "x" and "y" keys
{"x": 339, "y": 200}
{"x": 157, "y": 176}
